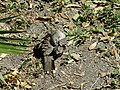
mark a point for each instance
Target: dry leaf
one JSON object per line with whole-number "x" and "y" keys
{"x": 113, "y": 33}
{"x": 70, "y": 61}
{"x": 73, "y": 6}
{"x": 114, "y": 52}
{"x": 43, "y": 18}
{"x": 13, "y": 80}
{"x": 1, "y": 7}
{"x": 103, "y": 74}
{"x": 71, "y": 83}
{"x": 119, "y": 29}
{"x": 106, "y": 37}
{"x": 6, "y": 76}
{"x": 56, "y": 18}
{"x": 105, "y": 34}
{"x": 92, "y": 6}
{"x": 23, "y": 84}
{"x": 85, "y": 24}
{"x": 3, "y": 55}
{"x": 17, "y": 83}
{"x": 83, "y": 1}
{"x": 15, "y": 71}
{"x": 71, "y": 25}
{"x": 16, "y": 88}
{"x": 62, "y": 14}
{"x": 70, "y": 42}
{"x": 64, "y": 73}
{"x": 76, "y": 16}
{"x": 92, "y": 46}
{"x": 80, "y": 74}
{"x": 91, "y": 37}
{"x": 31, "y": 5}
{"x": 96, "y": 10}
{"x": 75, "y": 56}
{"x": 28, "y": 86}
{"x": 82, "y": 84}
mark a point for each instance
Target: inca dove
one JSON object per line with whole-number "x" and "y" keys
{"x": 50, "y": 49}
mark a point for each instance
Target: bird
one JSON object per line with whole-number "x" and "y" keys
{"x": 50, "y": 49}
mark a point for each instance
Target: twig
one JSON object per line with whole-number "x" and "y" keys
{"x": 94, "y": 83}
{"x": 58, "y": 85}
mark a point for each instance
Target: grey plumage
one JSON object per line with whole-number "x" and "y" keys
{"x": 50, "y": 49}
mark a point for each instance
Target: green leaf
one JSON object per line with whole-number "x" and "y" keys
{"x": 6, "y": 9}
{"x": 2, "y": 78}
{"x": 8, "y": 32}
{"x": 12, "y": 51}
{"x": 58, "y": 9}
{"x": 13, "y": 39}
{"x": 8, "y": 45}
{"x": 8, "y": 18}
{"x": 12, "y": 48}
{"x": 7, "y": 48}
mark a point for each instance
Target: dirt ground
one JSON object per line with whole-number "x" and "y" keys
{"x": 86, "y": 73}
{"x": 83, "y": 74}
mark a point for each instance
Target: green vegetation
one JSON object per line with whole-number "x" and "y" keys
{"x": 84, "y": 20}
{"x": 17, "y": 23}
{"x": 7, "y": 44}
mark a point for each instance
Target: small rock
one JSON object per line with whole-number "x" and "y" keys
{"x": 75, "y": 56}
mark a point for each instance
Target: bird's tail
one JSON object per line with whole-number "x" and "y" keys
{"x": 48, "y": 64}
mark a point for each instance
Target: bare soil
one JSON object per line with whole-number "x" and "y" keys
{"x": 82, "y": 74}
